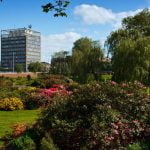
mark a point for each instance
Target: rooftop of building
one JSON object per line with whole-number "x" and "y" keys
{"x": 19, "y": 32}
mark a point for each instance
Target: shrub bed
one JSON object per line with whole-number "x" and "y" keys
{"x": 95, "y": 116}
{"x": 99, "y": 116}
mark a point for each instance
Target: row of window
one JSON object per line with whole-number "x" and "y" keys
{"x": 32, "y": 47}
{"x": 33, "y": 37}
{"x": 15, "y": 58}
{"x": 13, "y": 53}
{"x": 33, "y": 57}
{"x": 13, "y": 38}
{"x": 13, "y": 42}
{"x": 22, "y": 49}
{"x": 33, "y": 53}
{"x": 13, "y": 46}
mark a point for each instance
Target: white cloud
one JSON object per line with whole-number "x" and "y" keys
{"x": 121, "y": 15}
{"x": 93, "y": 14}
{"x": 57, "y": 42}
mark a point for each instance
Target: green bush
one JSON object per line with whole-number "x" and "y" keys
{"x": 36, "y": 82}
{"x": 47, "y": 143}
{"x": 90, "y": 78}
{"x": 36, "y": 100}
{"x": 135, "y": 146}
{"x": 48, "y": 80}
{"x": 105, "y": 77}
{"x": 72, "y": 86}
{"x": 5, "y": 82}
{"x": 22, "y": 143}
{"x": 138, "y": 146}
{"x": 9, "y": 92}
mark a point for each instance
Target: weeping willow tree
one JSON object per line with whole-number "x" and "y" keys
{"x": 60, "y": 63}
{"x": 132, "y": 60}
{"x": 130, "y": 49}
{"x": 86, "y": 56}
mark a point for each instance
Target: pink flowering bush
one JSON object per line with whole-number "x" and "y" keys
{"x": 55, "y": 89}
{"x": 99, "y": 116}
{"x": 125, "y": 132}
{"x": 44, "y": 97}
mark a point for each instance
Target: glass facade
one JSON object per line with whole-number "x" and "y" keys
{"x": 19, "y": 46}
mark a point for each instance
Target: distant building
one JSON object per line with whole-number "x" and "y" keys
{"x": 45, "y": 67}
{"x": 20, "y": 46}
{"x": 105, "y": 59}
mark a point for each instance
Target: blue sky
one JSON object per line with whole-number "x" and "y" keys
{"x": 92, "y": 18}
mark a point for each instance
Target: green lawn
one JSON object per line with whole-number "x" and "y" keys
{"x": 9, "y": 118}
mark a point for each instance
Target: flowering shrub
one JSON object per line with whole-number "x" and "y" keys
{"x": 124, "y": 132}
{"x": 49, "y": 92}
{"x": 43, "y": 97}
{"x": 49, "y": 80}
{"x": 18, "y": 129}
{"x": 36, "y": 100}
{"x": 11, "y": 104}
{"x": 99, "y": 116}
{"x": 55, "y": 89}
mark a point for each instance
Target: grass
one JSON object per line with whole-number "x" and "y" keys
{"x": 105, "y": 77}
{"x": 9, "y": 118}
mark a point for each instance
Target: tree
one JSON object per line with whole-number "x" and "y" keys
{"x": 58, "y": 7}
{"x": 19, "y": 68}
{"x": 35, "y": 67}
{"x": 86, "y": 58}
{"x": 130, "y": 49}
{"x": 132, "y": 27}
{"x": 60, "y": 63}
{"x": 132, "y": 60}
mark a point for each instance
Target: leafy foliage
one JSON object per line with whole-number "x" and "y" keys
{"x": 138, "y": 146}
{"x": 60, "y": 63}
{"x": 59, "y": 7}
{"x": 35, "y": 67}
{"x": 22, "y": 143}
{"x": 47, "y": 143}
{"x": 131, "y": 61}
{"x": 86, "y": 58}
{"x": 130, "y": 49}
{"x": 48, "y": 80}
{"x": 19, "y": 68}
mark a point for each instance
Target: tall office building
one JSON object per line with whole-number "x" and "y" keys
{"x": 20, "y": 46}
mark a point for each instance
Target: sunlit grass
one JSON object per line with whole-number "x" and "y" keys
{"x": 9, "y": 118}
